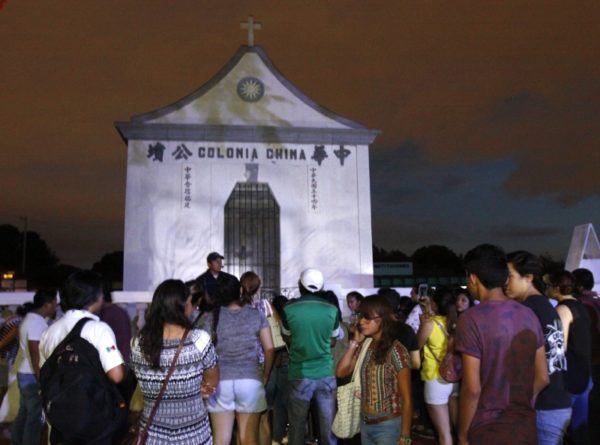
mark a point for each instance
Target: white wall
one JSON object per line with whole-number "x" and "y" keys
{"x": 164, "y": 239}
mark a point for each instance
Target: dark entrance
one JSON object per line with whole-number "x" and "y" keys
{"x": 252, "y": 239}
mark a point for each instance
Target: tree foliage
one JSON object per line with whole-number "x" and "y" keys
{"x": 436, "y": 260}
{"x": 40, "y": 260}
{"x": 110, "y": 266}
{"x": 381, "y": 255}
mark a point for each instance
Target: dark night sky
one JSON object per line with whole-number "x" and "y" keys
{"x": 489, "y": 111}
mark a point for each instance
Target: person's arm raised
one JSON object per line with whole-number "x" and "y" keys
{"x": 425, "y": 330}
{"x": 346, "y": 365}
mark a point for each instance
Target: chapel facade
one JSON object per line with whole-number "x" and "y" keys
{"x": 250, "y": 167}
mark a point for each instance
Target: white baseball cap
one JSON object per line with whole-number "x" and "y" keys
{"x": 312, "y": 279}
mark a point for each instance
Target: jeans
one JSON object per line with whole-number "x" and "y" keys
{"x": 384, "y": 433}
{"x": 579, "y": 419}
{"x": 301, "y": 391}
{"x": 277, "y": 396}
{"x": 552, "y": 425}
{"x": 27, "y": 426}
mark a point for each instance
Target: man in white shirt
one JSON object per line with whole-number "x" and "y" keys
{"x": 82, "y": 296}
{"x": 27, "y": 426}
{"x": 414, "y": 318}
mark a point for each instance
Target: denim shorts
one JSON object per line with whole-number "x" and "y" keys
{"x": 241, "y": 395}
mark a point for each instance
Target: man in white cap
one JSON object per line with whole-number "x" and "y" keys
{"x": 310, "y": 326}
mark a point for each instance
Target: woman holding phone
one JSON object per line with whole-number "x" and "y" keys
{"x": 437, "y": 324}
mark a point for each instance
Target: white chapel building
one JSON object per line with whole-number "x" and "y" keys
{"x": 249, "y": 167}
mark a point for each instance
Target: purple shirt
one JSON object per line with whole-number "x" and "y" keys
{"x": 504, "y": 336}
{"x": 118, "y": 319}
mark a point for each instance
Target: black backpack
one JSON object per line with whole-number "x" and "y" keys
{"x": 81, "y": 404}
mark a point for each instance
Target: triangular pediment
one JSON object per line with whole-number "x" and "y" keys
{"x": 584, "y": 249}
{"x": 248, "y": 91}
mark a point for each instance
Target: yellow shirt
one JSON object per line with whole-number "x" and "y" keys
{"x": 434, "y": 350}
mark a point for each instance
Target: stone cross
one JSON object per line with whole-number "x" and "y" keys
{"x": 250, "y": 26}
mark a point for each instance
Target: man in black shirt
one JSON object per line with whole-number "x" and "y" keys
{"x": 553, "y": 404}
{"x": 208, "y": 279}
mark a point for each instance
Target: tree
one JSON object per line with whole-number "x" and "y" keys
{"x": 381, "y": 255}
{"x": 10, "y": 253}
{"x": 41, "y": 262}
{"x": 110, "y": 266}
{"x": 436, "y": 260}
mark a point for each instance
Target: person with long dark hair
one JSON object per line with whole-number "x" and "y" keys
{"x": 277, "y": 388}
{"x": 386, "y": 407}
{"x": 181, "y": 416}
{"x": 463, "y": 300}
{"x": 576, "y": 325}
{"x": 553, "y": 404}
{"x": 240, "y": 396}
{"x": 437, "y": 325}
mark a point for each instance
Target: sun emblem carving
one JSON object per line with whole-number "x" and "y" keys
{"x": 250, "y": 89}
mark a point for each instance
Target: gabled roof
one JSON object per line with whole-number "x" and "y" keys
{"x": 217, "y": 112}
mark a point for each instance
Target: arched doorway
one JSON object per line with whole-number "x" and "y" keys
{"x": 252, "y": 240}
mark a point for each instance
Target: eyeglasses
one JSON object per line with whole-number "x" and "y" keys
{"x": 363, "y": 316}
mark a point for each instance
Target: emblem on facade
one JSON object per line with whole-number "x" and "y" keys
{"x": 250, "y": 89}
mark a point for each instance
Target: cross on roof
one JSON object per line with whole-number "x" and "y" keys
{"x": 250, "y": 26}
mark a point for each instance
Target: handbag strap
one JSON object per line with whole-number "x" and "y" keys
{"x": 441, "y": 326}
{"x": 164, "y": 386}
{"x": 450, "y": 337}
{"x": 434, "y": 356}
{"x": 361, "y": 357}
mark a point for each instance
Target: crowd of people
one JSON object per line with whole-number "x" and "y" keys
{"x": 511, "y": 358}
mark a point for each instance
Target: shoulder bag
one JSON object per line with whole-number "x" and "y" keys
{"x": 346, "y": 423}
{"x": 275, "y": 326}
{"x": 450, "y": 367}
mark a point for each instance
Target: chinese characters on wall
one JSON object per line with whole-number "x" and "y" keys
{"x": 187, "y": 187}
{"x": 314, "y": 196}
{"x": 158, "y": 153}
{"x": 185, "y": 153}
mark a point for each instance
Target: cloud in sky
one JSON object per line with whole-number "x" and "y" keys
{"x": 510, "y": 231}
{"x": 489, "y": 110}
{"x": 420, "y": 208}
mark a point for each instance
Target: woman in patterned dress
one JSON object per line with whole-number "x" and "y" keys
{"x": 181, "y": 418}
{"x": 386, "y": 407}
